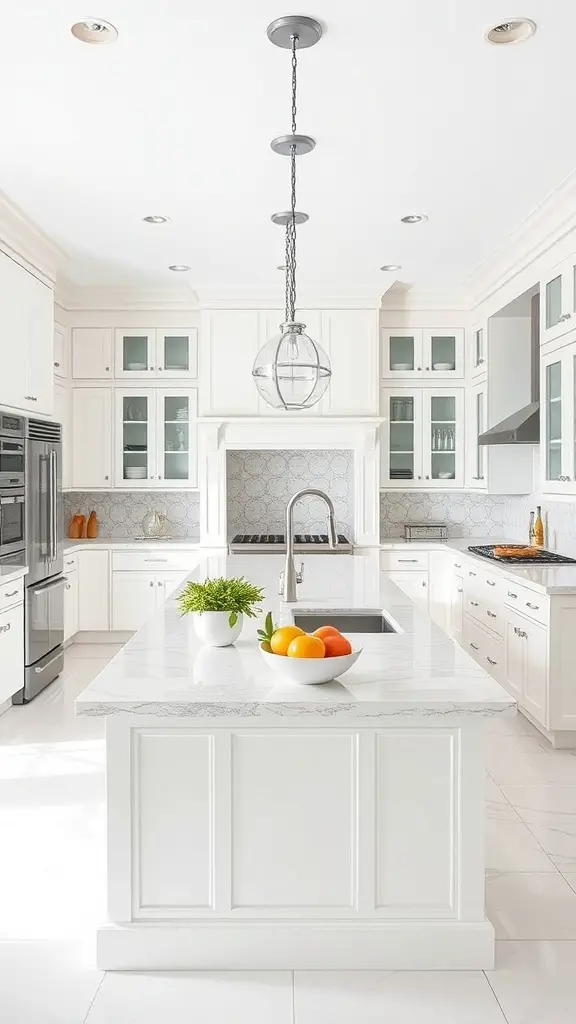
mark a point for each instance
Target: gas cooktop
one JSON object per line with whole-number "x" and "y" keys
{"x": 276, "y": 542}
{"x": 540, "y": 556}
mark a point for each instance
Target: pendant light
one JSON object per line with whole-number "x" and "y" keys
{"x": 292, "y": 371}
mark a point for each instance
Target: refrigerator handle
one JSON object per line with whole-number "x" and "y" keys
{"x": 53, "y": 505}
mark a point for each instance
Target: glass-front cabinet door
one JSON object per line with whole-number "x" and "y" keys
{"x": 558, "y": 301}
{"x": 401, "y": 454}
{"x": 443, "y": 353}
{"x": 135, "y": 455}
{"x": 135, "y": 353}
{"x": 443, "y": 447}
{"x": 557, "y": 421}
{"x": 177, "y": 438}
{"x": 401, "y": 353}
{"x": 177, "y": 352}
{"x": 476, "y": 424}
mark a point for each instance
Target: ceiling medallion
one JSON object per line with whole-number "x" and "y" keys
{"x": 292, "y": 371}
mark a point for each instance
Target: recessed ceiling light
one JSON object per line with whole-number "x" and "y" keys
{"x": 515, "y": 30}
{"x": 180, "y": 267}
{"x": 152, "y": 219}
{"x": 414, "y": 218}
{"x": 391, "y": 266}
{"x": 94, "y": 30}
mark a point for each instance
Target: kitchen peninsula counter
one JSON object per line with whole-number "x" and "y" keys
{"x": 254, "y": 823}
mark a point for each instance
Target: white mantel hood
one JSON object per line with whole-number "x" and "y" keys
{"x": 217, "y": 436}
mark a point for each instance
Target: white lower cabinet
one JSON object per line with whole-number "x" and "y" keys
{"x": 485, "y": 647}
{"x": 94, "y": 590}
{"x": 414, "y": 585}
{"x": 11, "y": 651}
{"x": 526, "y": 675}
{"x": 70, "y": 604}
{"x": 137, "y": 595}
{"x": 456, "y": 605}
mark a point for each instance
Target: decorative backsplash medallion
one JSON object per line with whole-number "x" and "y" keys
{"x": 259, "y": 484}
{"x": 120, "y": 514}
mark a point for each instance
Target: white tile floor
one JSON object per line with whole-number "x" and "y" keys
{"x": 52, "y": 897}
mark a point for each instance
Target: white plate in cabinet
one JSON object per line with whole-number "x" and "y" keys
{"x": 526, "y": 663}
{"x": 11, "y": 651}
{"x": 558, "y": 301}
{"x": 169, "y": 353}
{"x": 91, "y": 353}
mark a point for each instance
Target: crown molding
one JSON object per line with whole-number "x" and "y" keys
{"x": 403, "y": 297}
{"x": 546, "y": 225}
{"x": 78, "y": 297}
{"x": 24, "y": 240}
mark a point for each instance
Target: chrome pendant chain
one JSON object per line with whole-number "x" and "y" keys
{"x": 290, "y": 249}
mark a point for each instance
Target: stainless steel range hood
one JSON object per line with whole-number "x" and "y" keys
{"x": 523, "y": 427}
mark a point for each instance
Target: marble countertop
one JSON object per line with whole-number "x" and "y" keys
{"x": 165, "y": 671}
{"x": 9, "y": 573}
{"x": 128, "y": 543}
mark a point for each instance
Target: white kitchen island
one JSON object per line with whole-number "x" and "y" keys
{"x": 257, "y": 824}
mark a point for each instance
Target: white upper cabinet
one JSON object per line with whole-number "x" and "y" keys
{"x": 26, "y": 339}
{"x": 476, "y": 424}
{"x": 91, "y": 353}
{"x": 135, "y": 352}
{"x": 90, "y": 434}
{"x": 558, "y": 421}
{"x": 156, "y": 438}
{"x": 425, "y": 355}
{"x": 177, "y": 353}
{"x": 558, "y": 301}
{"x": 61, "y": 351}
{"x": 477, "y": 350}
{"x": 350, "y": 337}
{"x": 422, "y": 442}
{"x": 62, "y": 401}
{"x": 230, "y": 341}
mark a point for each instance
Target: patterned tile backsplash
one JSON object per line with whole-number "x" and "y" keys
{"x": 465, "y": 514}
{"x": 259, "y": 484}
{"x": 120, "y": 514}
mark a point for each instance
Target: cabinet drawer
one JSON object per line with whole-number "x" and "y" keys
{"x": 11, "y": 652}
{"x": 154, "y": 560}
{"x": 528, "y": 602}
{"x": 487, "y": 651}
{"x": 11, "y": 593}
{"x": 487, "y": 612}
{"x": 70, "y": 563}
{"x": 404, "y": 561}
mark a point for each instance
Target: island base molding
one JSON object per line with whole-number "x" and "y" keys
{"x": 298, "y": 946}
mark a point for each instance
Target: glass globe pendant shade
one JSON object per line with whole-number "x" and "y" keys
{"x": 292, "y": 371}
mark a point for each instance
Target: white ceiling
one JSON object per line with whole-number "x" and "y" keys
{"x": 412, "y": 111}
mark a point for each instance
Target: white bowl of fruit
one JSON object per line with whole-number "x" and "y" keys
{"x": 307, "y": 658}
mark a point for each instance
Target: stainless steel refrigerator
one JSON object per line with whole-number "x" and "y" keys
{"x": 44, "y": 600}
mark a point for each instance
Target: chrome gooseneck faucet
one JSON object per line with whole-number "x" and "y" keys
{"x": 290, "y": 577}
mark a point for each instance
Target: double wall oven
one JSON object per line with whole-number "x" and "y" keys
{"x": 12, "y": 482}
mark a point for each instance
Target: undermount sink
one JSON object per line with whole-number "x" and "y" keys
{"x": 361, "y": 621}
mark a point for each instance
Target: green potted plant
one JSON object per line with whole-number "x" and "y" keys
{"x": 218, "y": 607}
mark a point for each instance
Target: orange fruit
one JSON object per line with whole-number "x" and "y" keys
{"x": 336, "y": 646}
{"x": 306, "y": 647}
{"x": 324, "y": 631}
{"x": 281, "y": 638}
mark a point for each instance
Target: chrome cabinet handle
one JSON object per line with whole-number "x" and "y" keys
{"x": 151, "y": 368}
{"x": 56, "y": 364}
{"x": 510, "y": 594}
{"x": 419, "y": 477}
{"x": 151, "y": 584}
{"x": 521, "y": 633}
{"x": 30, "y": 398}
{"x": 459, "y": 589}
{"x": 159, "y": 584}
{"x": 457, "y": 566}
{"x": 4, "y": 629}
{"x": 67, "y": 586}
{"x": 107, "y": 369}
{"x": 490, "y": 661}
{"x": 474, "y": 604}
{"x": 407, "y": 559}
{"x": 535, "y": 607}
{"x": 491, "y": 583}
{"x": 470, "y": 573}
{"x": 564, "y": 316}
{"x": 11, "y": 594}
{"x": 105, "y": 477}
{"x": 475, "y": 646}
{"x": 160, "y": 367}
{"x": 480, "y": 361}
{"x": 427, "y": 477}
{"x": 491, "y": 614}
{"x": 155, "y": 559}
{"x": 424, "y": 584}
{"x": 428, "y": 368}
{"x": 300, "y": 573}
{"x": 419, "y": 368}
{"x": 69, "y": 563}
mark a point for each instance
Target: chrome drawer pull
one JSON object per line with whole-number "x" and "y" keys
{"x": 456, "y": 566}
{"x": 491, "y": 615}
{"x": 472, "y": 573}
{"x": 534, "y": 607}
{"x": 459, "y": 589}
{"x": 475, "y": 604}
{"x": 4, "y": 629}
{"x": 490, "y": 661}
{"x": 521, "y": 633}
{"x": 510, "y": 594}
{"x": 407, "y": 559}
{"x": 475, "y": 646}
{"x": 12, "y": 593}
{"x": 491, "y": 583}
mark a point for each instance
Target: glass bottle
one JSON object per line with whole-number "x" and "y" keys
{"x": 531, "y": 528}
{"x": 539, "y": 528}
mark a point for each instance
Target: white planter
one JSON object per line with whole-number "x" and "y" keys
{"x": 214, "y": 629}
